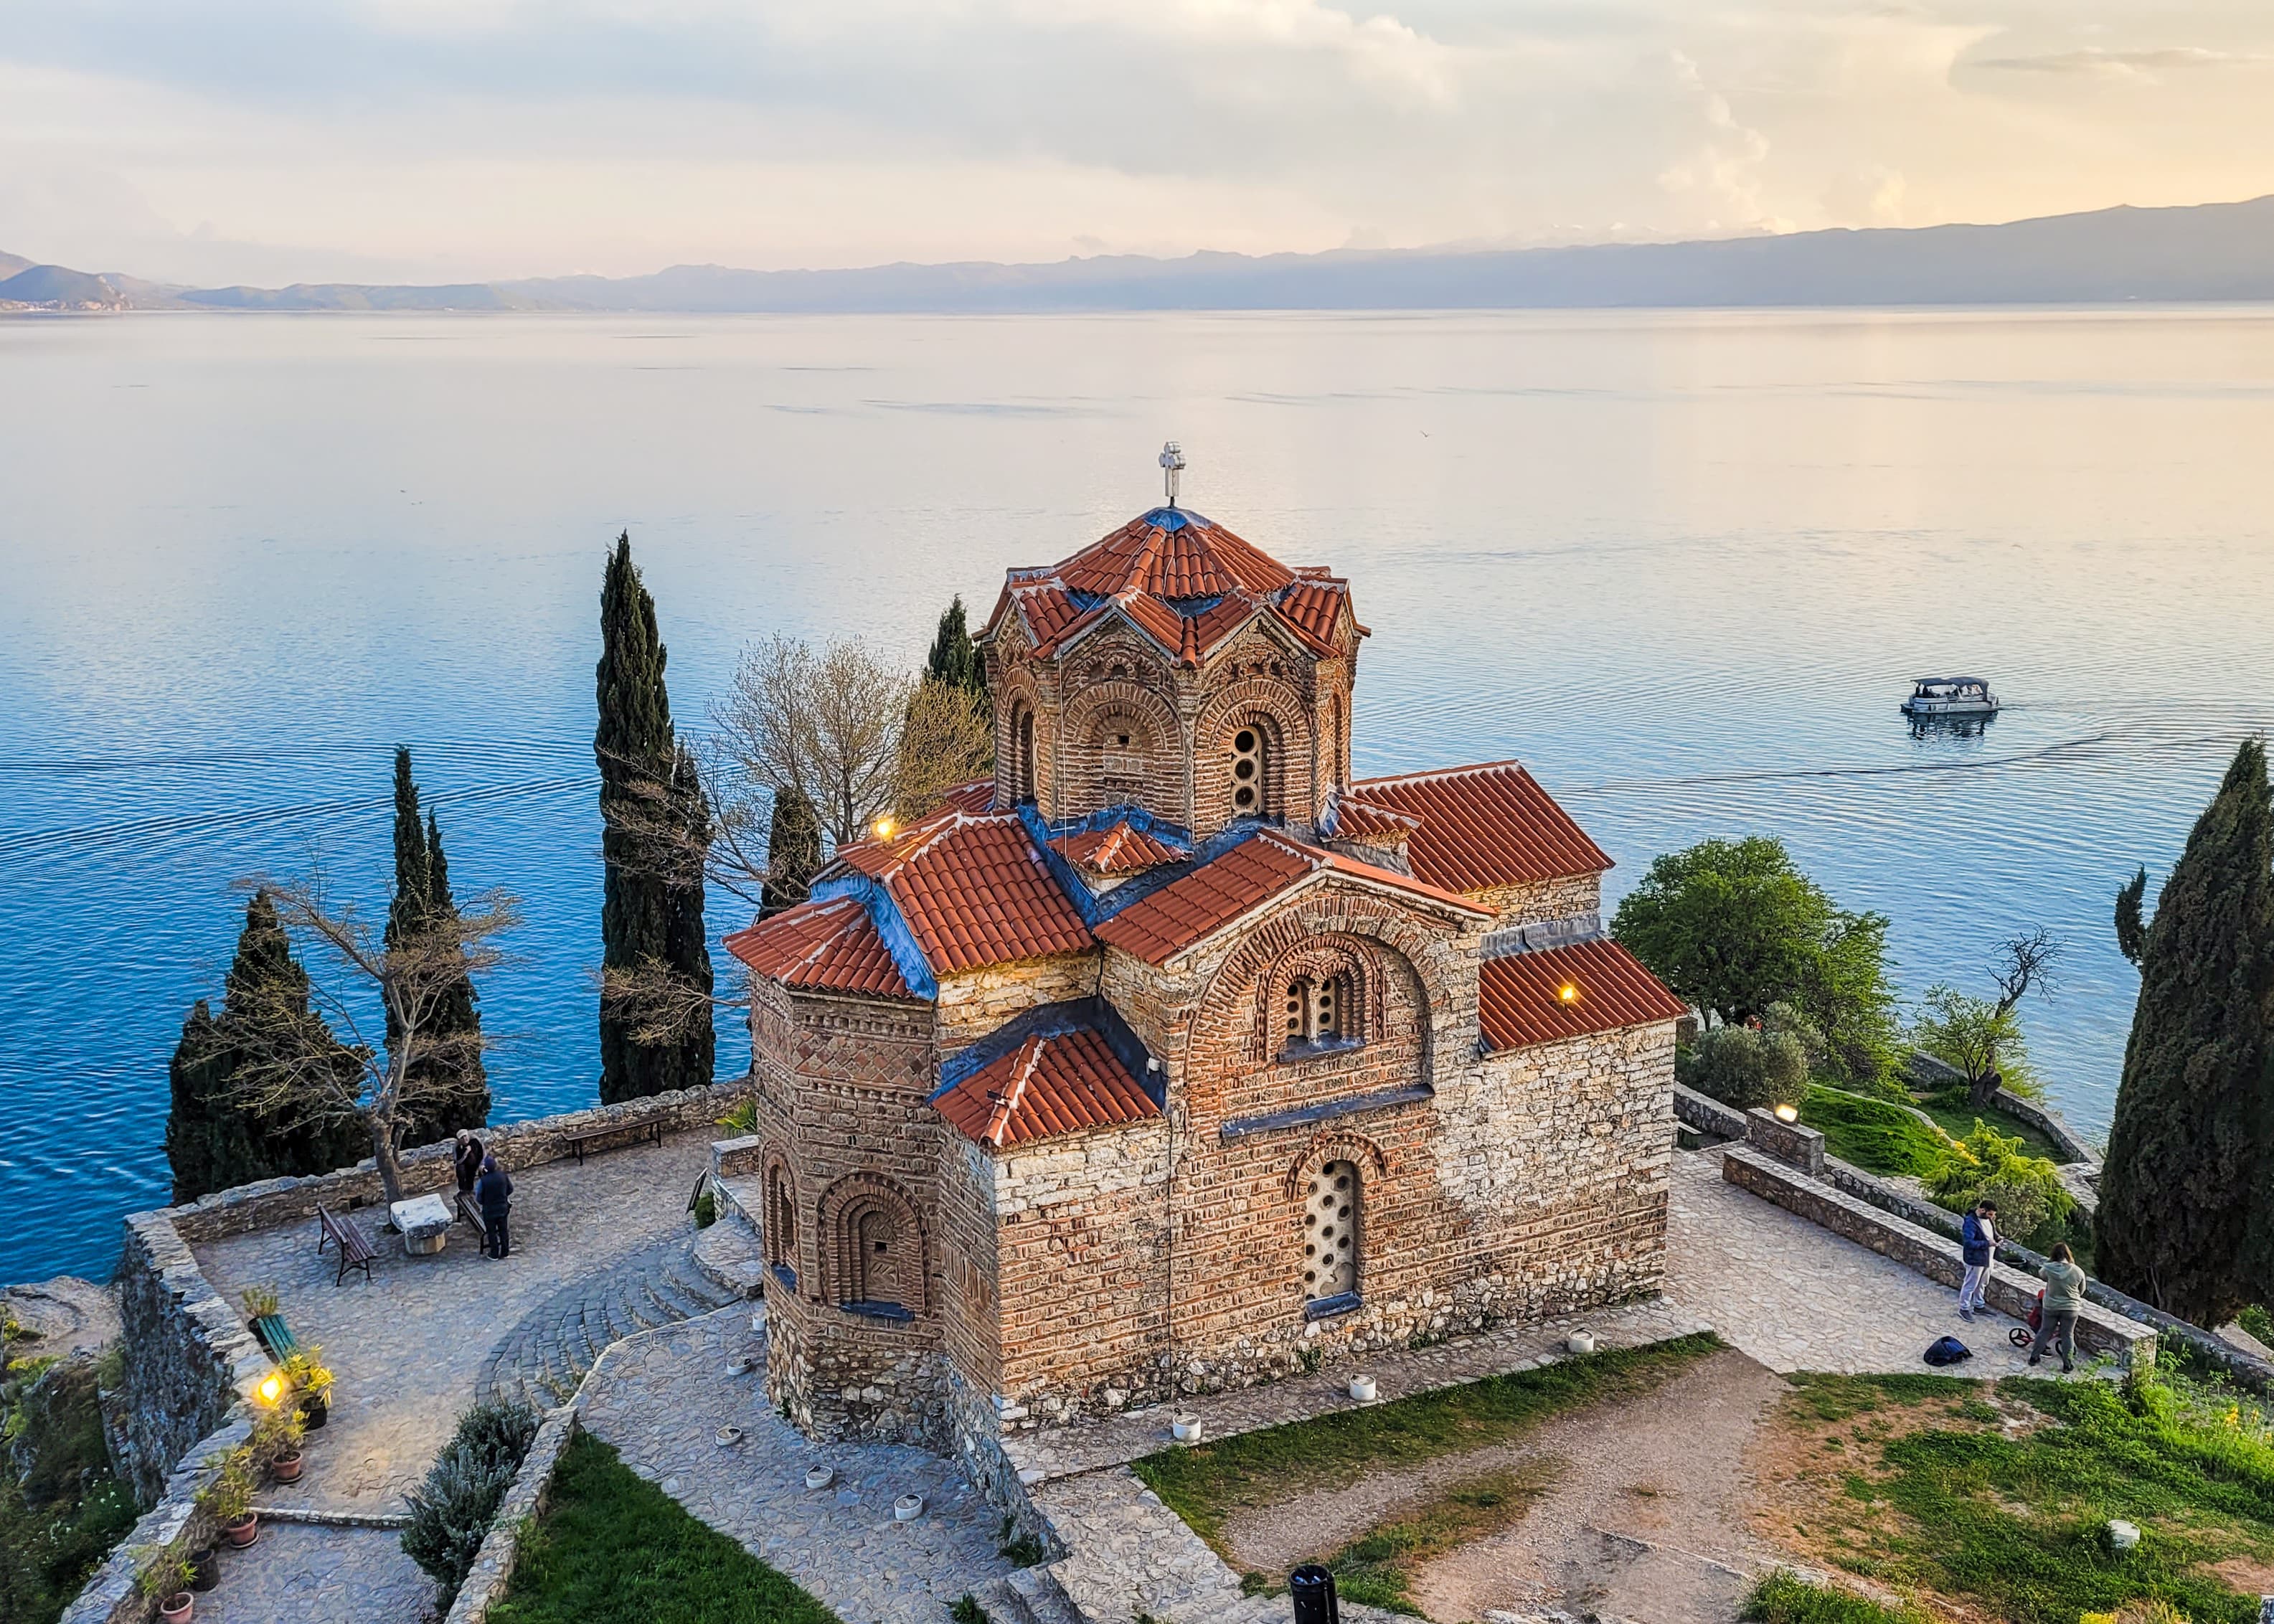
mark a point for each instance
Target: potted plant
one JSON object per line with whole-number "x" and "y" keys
{"x": 166, "y": 1580}
{"x": 304, "y": 1367}
{"x": 205, "y": 1569}
{"x": 260, "y": 1312}
{"x": 227, "y": 1499}
{"x": 276, "y": 1440}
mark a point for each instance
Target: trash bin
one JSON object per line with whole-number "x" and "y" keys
{"x": 1313, "y": 1589}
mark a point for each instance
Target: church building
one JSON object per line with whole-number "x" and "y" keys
{"x": 1174, "y": 1058}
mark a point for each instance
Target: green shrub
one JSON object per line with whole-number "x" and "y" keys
{"x": 2033, "y": 1206}
{"x": 1876, "y": 1136}
{"x": 706, "y": 1209}
{"x": 1745, "y": 1066}
{"x": 452, "y": 1511}
{"x": 2256, "y": 1319}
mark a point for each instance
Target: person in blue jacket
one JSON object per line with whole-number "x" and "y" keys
{"x": 1978, "y": 1241}
{"x": 494, "y": 1194}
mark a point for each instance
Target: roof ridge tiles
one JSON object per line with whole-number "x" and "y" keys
{"x": 1428, "y": 773}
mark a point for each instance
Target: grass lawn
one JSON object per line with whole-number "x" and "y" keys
{"x": 1876, "y": 1136}
{"x": 1207, "y": 1485}
{"x": 1377, "y": 1569}
{"x": 1784, "y": 1599}
{"x": 1993, "y": 1499}
{"x": 612, "y": 1548}
{"x": 1949, "y": 1106}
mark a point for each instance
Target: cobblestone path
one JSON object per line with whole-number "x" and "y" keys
{"x": 543, "y": 1359}
{"x": 318, "y": 1575}
{"x": 660, "y": 1400}
{"x": 409, "y": 1346}
{"x": 1798, "y": 1297}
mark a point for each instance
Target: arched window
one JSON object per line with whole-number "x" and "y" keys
{"x": 1331, "y": 1233}
{"x": 1316, "y": 1014}
{"x": 1022, "y": 750}
{"x": 781, "y": 1234}
{"x": 876, "y": 1259}
{"x": 1251, "y": 768}
{"x": 1299, "y": 1011}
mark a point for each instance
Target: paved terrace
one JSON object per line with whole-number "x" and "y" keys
{"x": 601, "y": 1256}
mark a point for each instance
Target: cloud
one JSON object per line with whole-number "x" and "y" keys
{"x": 463, "y": 138}
{"x": 2091, "y": 62}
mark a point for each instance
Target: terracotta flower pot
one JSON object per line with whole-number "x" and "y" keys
{"x": 242, "y": 1532}
{"x": 286, "y": 1467}
{"x": 176, "y": 1608}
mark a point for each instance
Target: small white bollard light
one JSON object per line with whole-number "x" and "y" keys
{"x": 908, "y": 1508}
{"x": 2122, "y": 1536}
{"x": 1363, "y": 1390}
{"x": 1580, "y": 1342}
{"x": 1185, "y": 1429}
{"x": 818, "y": 1478}
{"x": 727, "y": 1437}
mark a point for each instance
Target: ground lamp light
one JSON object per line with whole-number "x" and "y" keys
{"x": 271, "y": 1388}
{"x": 1788, "y": 1113}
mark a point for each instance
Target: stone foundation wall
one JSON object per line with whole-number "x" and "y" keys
{"x": 175, "y": 1524}
{"x": 188, "y": 1360}
{"x": 1572, "y": 896}
{"x": 847, "y": 1377}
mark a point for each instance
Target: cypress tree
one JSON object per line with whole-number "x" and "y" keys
{"x": 793, "y": 851}
{"x": 2183, "y": 1220}
{"x": 421, "y": 895}
{"x": 655, "y": 827}
{"x": 955, "y": 659}
{"x": 214, "y": 1139}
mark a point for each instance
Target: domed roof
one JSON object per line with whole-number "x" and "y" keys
{"x": 1183, "y": 580}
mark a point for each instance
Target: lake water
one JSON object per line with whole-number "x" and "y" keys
{"x": 1683, "y": 564}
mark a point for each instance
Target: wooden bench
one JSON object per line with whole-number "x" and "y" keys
{"x": 276, "y": 1335}
{"x": 355, "y": 1250}
{"x": 471, "y": 1211}
{"x": 650, "y": 1131}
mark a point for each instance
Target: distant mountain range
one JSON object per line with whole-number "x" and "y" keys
{"x": 2210, "y": 251}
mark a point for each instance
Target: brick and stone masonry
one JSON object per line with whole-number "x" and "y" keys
{"x": 1250, "y": 1114}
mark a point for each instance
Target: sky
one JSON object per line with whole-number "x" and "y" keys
{"x": 271, "y": 141}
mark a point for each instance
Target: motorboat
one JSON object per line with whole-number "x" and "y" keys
{"x": 1950, "y": 697}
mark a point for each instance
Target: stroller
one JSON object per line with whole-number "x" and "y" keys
{"x": 2021, "y": 1336}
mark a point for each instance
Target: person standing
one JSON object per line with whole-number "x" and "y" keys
{"x": 466, "y": 1160}
{"x": 493, "y": 1194}
{"x": 1978, "y": 1243}
{"x": 2064, "y": 1296}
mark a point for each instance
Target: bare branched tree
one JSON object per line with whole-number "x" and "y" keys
{"x": 411, "y": 982}
{"x": 946, "y": 741}
{"x": 827, "y": 725}
{"x": 661, "y": 1007}
{"x": 2026, "y": 960}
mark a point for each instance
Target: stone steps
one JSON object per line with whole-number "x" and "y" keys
{"x": 542, "y": 1359}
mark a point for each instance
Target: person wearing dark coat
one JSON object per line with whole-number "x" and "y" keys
{"x": 494, "y": 1194}
{"x": 467, "y": 1160}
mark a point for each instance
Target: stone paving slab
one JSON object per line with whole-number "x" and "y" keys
{"x": 1066, "y": 1451}
{"x": 659, "y": 1397}
{"x": 408, "y": 1348}
{"x": 295, "y": 1574}
{"x": 1798, "y": 1297}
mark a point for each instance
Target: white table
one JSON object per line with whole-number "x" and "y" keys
{"x": 425, "y": 1222}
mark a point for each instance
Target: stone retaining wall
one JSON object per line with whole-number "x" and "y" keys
{"x": 1933, "y": 1255}
{"x": 175, "y": 1524}
{"x": 487, "y": 1579}
{"x": 1707, "y": 1114}
{"x": 189, "y": 1362}
{"x": 427, "y": 1168}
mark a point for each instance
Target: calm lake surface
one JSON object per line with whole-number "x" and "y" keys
{"x": 1683, "y": 564}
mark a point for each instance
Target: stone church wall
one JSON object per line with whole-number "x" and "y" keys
{"x": 1568, "y": 897}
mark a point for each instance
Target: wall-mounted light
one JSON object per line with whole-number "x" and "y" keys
{"x": 883, "y": 828}
{"x": 272, "y": 1388}
{"x": 1568, "y": 993}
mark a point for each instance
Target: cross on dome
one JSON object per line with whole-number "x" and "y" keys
{"x": 1172, "y": 463}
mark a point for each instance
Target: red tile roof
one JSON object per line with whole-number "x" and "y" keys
{"x": 1117, "y": 848}
{"x": 829, "y": 946}
{"x": 1521, "y": 998}
{"x": 1195, "y": 906}
{"x": 1485, "y": 826}
{"x": 1054, "y": 1084}
{"x": 1363, "y": 820}
{"x": 972, "y": 887}
{"x": 1185, "y": 581}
